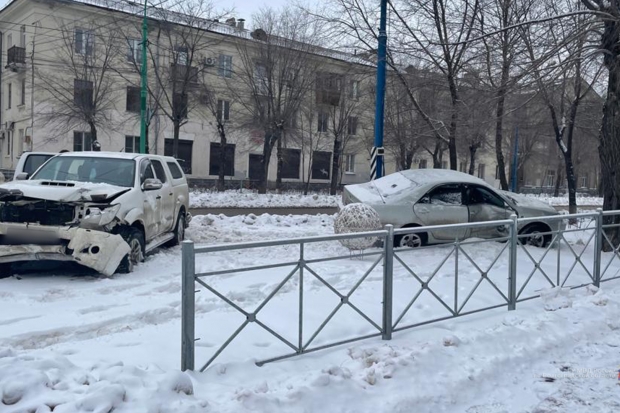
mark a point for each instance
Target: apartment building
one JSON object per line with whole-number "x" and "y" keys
{"x": 53, "y": 52}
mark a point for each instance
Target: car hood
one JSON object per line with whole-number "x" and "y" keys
{"x": 60, "y": 191}
{"x": 529, "y": 206}
{"x": 391, "y": 188}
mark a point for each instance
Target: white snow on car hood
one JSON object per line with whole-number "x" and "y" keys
{"x": 49, "y": 191}
{"x": 387, "y": 188}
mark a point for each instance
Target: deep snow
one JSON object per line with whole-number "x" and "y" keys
{"x": 79, "y": 343}
{"x": 245, "y": 198}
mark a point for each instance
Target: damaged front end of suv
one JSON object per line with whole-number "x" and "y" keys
{"x": 69, "y": 223}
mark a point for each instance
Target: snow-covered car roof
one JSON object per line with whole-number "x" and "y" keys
{"x": 117, "y": 155}
{"x": 408, "y": 185}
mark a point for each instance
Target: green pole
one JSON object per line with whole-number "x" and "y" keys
{"x": 143, "y": 90}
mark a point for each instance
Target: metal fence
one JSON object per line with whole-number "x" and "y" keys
{"x": 411, "y": 287}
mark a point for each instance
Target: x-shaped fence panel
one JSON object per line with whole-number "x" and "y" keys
{"x": 418, "y": 286}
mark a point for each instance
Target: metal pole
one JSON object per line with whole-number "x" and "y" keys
{"x": 302, "y": 264}
{"x": 598, "y": 246}
{"x": 376, "y": 166}
{"x": 144, "y": 85}
{"x": 188, "y": 314}
{"x": 34, "y": 37}
{"x": 515, "y": 160}
{"x": 512, "y": 270}
{"x": 388, "y": 279}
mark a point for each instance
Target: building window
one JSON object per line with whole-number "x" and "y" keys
{"x": 133, "y": 99}
{"x": 349, "y": 163}
{"x": 422, "y": 164}
{"x": 584, "y": 181}
{"x": 328, "y": 88}
{"x": 9, "y": 41}
{"x": 352, "y": 125}
{"x": 181, "y": 56}
{"x": 83, "y": 42}
{"x": 82, "y": 141}
{"x": 83, "y": 93}
{"x": 22, "y": 36}
{"x": 22, "y": 101}
{"x": 132, "y": 144}
{"x": 223, "y": 110}
{"x": 323, "y": 123}
{"x": 261, "y": 80}
{"x": 9, "y": 96}
{"x": 184, "y": 157}
{"x": 550, "y": 179}
{"x": 354, "y": 89}
{"x": 291, "y": 161}
{"x": 321, "y": 163}
{"x": 225, "y": 66}
{"x": 134, "y": 53}
{"x": 481, "y": 168}
{"x": 229, "y": 161}
{"x": 179, "y": 106}
{"x": 444, "y": 164}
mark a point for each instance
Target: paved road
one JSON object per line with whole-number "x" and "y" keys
{"x": 312, "y": 211}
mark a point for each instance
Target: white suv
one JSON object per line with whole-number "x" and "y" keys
{"x": 104, "y": 210}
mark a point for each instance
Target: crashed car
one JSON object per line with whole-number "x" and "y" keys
{"x": 103, "y": 210}
{"x": 425, "y": 197}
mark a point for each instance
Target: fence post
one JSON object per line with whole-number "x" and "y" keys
{"x": 598, "y": 246}
{"x": 512, "y": 269}
{"x": 388, "y": 274}
{"x": 188, "y": 259}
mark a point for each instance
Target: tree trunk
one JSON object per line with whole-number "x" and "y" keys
{"x": 93, "y": 136}
{"x": 279, "y": 164}
{"x": 453, "y": 126}
{"x": 270, "y": 140}
{"x": 559, "y": 179}
{"x": 437, "y": 155}
{"x": 408, "y": 159}
{"x": 472, "y": 159}
{"x": 333, "y": 187}
{"x": 221, "y": 184}
{"x": 175, "y": 139}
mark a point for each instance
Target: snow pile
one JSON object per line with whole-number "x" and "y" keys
{"x": 563, "y": 200}
{"x": 245, "y": 198}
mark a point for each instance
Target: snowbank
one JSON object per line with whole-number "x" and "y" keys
{"x": 563, "y": 200}
{"x": 250, "y": 199}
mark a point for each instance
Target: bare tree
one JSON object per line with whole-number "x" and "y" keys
{"x": 563, "y": 86}
{"x": 276, "y": 73}
{"x": 81, "y": 88}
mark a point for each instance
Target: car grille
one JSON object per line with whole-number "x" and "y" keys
{"x": 42, "y": 212}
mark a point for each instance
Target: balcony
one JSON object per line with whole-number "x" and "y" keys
{"x": 16, "y": 58}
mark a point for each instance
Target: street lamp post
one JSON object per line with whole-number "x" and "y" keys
{"x": 377, "y": 159}
{"x": 143, "y": 88}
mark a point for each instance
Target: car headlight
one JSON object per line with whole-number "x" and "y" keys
{"x": 97, "y": 217}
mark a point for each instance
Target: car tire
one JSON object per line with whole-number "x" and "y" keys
{"x": 419, "y": 239}
{"x": 5, "y": 270}
{"x": 535, "y": 236}
{"x": 179, "y": 231}
{"x": 135, "y": 238}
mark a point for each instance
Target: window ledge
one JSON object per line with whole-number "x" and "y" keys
{"x": 349, "y": 173}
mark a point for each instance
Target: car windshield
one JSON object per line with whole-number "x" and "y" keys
{"x": 112, "y": 171}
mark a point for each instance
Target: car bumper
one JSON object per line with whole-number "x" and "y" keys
{"x": 98, "y": 250}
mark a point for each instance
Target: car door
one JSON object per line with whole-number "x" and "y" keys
{"x": 166, "y": 212}
{"x": 151, "y": 202}
{"x": 441, "y": 206}
{"x": 484, "y": 205}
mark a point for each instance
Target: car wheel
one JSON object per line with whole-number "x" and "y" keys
{"x": 135, "y": 239}
{"x": 410, "y": 240}
{"x": 5, "y": 270}
{"x": 536, "y": 236}
{"x": 179, "y": 231}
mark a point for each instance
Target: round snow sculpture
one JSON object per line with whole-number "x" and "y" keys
{"x": 357, "y": 218}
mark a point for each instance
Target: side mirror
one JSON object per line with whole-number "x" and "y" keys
{"x": 152, "y": 184}
{"x": 22, "y": 176}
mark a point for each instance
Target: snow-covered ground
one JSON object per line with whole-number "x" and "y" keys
{"x": 251, "y": 199}
{"x": 72, "y": 343}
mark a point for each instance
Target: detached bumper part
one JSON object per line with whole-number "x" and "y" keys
{"x": 98, "y": 250}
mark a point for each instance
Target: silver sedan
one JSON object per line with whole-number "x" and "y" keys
{"x": 424, "y": 197}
